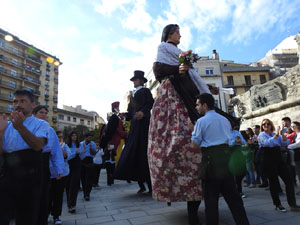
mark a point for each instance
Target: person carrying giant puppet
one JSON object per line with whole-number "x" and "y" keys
{"x": 133, "y": 163}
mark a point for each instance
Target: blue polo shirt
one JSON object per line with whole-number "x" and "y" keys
{"x": 85, "y": 146}
{"x": 13, "y": 141}
{"x": 211, "y": 130}
{"x": 66, "y": 169}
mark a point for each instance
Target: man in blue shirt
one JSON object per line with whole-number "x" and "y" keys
{"x": 87, "y": 150}
{"x": 53, "y": 152}
{"x": 21, "y": 142}
{"x": 212, "y": 133}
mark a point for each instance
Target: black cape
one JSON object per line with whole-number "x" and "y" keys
{"x": 133, "y": 163}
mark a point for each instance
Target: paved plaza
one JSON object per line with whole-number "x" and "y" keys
{"x": 120, "y": 205}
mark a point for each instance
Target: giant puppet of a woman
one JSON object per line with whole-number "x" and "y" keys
{"x": 173, "y": 162}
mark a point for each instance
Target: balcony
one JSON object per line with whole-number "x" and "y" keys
{"x": 55, "y": 109}
{"x": 6, "y": 97}
{"x": 55, "y": 79}
{"x": 32, "y": 69}
{"x": 12, "y": 50}
{"x": 55, "y": 99}
{"x": 54, "y": 119}
{"x": 56, "y": 70}
{"x": 55, "y": 90}
{"x": 10, "y": 74}
{"x": 32, "y": 80}
{"x": 34, "y": 59}
{"x": 9, "y": 85}
{"x": 11, "y": 61}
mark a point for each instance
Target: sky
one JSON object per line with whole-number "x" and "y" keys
{"x": 101, "y": 42}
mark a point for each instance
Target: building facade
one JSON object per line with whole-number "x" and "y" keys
{"x": 241, "y": 79}
{"x": 282, "y": 58}
{"x": 73, "y": 116}
{"x": 210, "y": 71}
{"x": 23, "y": 66}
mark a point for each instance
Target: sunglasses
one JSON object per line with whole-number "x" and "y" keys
{"x": 266, "y": 124}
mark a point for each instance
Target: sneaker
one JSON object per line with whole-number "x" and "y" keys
{"x": 87, "y": 198}
{"x": 246, "y": 185}
{"x": 252, "y": 186}
{"x": 280, "y": 208}
{"x": 56, "y": 221}
{"x": 243, "y": 195}
{"x": 295, "y": 208}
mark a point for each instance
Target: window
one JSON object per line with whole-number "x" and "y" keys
{"x": 15, "y": 50}
{"x": 209, "y": 71}
{"x": 248, "y": 80}
{"x": 74, "y": 119}
{"x": 262, "y": 79}
{"x": 47, "y": 93}
{"x": 89, "y": 122}
{"x": 13, "y": 73}
{"x": 14, "y": 61}
{"x": 47, "y": 83}
{"x": 60, "y": 117}
{"x": 1, "y": 43}
{"x": 12, "y": 84}
{"x": 10, "y": 108}
{"x": 230, "y": 80}
{"x": 81, "y": 121}
{"x": 69, "y": 118}
{"x": 11, "y": 95}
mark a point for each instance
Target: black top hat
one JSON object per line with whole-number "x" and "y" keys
{"x": 138, "y": 74}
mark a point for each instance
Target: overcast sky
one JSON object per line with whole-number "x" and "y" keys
{"x": 101, "y": 42}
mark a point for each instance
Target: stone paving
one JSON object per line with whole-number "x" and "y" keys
{"x": 121, "y": 205}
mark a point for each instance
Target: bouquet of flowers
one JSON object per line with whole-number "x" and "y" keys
{"x": 188, "y": 58}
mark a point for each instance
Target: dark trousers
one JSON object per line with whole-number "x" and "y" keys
{"x": 274, "y": 166}
{"x": 219, "y": 180}
{"x": 20, "y": 181}
{"x": 110, "y": 169}
{"x": 192, "y": 208}
{"x": 97, "y": 170}
{"x": 73, "y": 181}
{"x": 142, "y": 186}
{"x": 227, "y": 187}
{"x": 238, "y": 182}
{"x": 45, "y": 187}
{"x": 87, "y": 175}
{"x": 56, "y": 196}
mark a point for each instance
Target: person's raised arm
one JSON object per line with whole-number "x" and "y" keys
{"x": 36, "y": 143}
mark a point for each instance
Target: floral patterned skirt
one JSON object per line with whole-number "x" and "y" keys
{"x": 173, "y": 162}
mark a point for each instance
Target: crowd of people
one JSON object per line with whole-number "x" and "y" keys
{"x": 182, "y": 146}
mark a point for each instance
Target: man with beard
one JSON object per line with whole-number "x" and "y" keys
{"x": 21, "y": 142}
{"x": 212, "y": 133}
{"x": 133, "y": 163}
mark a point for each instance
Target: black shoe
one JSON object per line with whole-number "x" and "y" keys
{"x": 141, "y": 190}
{"x": 71, "y": 210}
{"x": 87, "y": 198}
{"x": 263, "y": 185}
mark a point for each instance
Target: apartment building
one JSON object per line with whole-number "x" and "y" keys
{"x": 73, "y": 116}
{"x": 23, "y": 66}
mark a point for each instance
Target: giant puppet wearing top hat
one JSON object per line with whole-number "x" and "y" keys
{"x": 133, "y": 163}
{"x": 138, "y": 74}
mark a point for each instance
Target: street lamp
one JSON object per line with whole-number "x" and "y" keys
{"x": 8, "y": 37}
